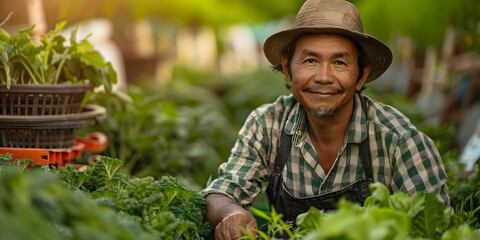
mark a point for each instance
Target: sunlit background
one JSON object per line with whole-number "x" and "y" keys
{"x": 226, "y": 35}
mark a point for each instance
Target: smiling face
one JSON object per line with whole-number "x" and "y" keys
{"x": 324, "y": 74}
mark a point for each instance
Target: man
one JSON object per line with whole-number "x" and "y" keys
{"x": 325, "y": 140}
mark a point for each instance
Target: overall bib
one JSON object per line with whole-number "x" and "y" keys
{"x": 291, "y": 207}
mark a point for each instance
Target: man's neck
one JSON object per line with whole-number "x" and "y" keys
{"x": 330, "y": 130}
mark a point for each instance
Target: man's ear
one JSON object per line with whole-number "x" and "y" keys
{"x": 286, "y": 69}
{"x": 361, "y": 82}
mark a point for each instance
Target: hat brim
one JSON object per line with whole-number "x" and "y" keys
{"x": 378, "y": 55}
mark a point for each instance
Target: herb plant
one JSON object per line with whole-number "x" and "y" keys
{"x": 52, "y": 59}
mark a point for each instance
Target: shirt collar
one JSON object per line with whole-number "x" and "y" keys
{"x": 357, "y": 131}
{"x": 296, "y": 124}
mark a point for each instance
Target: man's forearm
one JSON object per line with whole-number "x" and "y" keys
{"x": 218, "y": 207}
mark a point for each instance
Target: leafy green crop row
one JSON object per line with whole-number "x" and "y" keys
{"x": 96, "y": 203}
{"x": 384, "y": 216}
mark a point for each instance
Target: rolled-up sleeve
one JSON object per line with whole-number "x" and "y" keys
{"x": 242, "y": 175}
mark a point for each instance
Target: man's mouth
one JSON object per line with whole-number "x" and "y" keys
{"x": 322, "y": 90}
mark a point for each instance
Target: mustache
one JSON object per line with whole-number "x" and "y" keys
{"x": 322, "y": 89}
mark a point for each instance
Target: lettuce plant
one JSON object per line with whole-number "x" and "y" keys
{"x": 384, "y": 215}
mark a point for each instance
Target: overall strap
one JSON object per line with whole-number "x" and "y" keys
{"x": 365, "y": 148}
{"x": 280, "y": 160}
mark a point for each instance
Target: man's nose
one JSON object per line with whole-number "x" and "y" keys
{"x": 323, "y": 74}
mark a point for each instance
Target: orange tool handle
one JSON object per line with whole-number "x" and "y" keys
{"x": 94, "y": 142}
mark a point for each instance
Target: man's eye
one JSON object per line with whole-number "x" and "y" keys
{"x": 338, "y": 62}
{"x": 310, "y": 60}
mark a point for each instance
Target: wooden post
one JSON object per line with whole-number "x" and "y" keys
{"x": 428, "y": 74}
{"x": 447, "y": 53}
{"x": 36, "y": 16}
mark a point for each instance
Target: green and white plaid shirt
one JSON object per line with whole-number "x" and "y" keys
{"x": 403, "y": 158}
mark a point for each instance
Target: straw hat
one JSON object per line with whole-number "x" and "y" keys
{"x": 331, "y": 16}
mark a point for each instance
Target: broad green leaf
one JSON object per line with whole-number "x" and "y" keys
{"x": 463, "y": 232}
{"x": 92, "y": 58}
{"x": 312, "y": 219}
{"x": 387, "y": 223}
{"x": 400, "y": 201}
{"x": 427, "y": 215}
{"x": 344, "y": 225}
{"x": 379, "y": 195}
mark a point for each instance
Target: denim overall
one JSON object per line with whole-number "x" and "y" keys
{"x": 291, "y": 207}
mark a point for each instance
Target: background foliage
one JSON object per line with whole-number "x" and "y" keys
{"x": 425, "y": 21}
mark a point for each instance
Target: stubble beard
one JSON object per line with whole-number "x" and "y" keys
{"x": 322, "y": 112}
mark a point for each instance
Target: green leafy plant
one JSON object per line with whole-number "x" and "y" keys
{"x": 165, "y": 130}
{"x": 51, "y": 59}
{"x": 428, "y": 217}
{"x": 36, "y": 204}
{"x": 383, "y": 216}
{"x": 150, "y": 200}
{"x": 275, "y": 226}
{"x": 465, "y": 197}
{"x": 79, "y": 204}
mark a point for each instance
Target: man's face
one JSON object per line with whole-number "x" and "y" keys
{"x": 324, "y": 73}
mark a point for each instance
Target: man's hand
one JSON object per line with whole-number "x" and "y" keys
{"x": 227, "y": 217}
{"x": 229, "y": 227}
